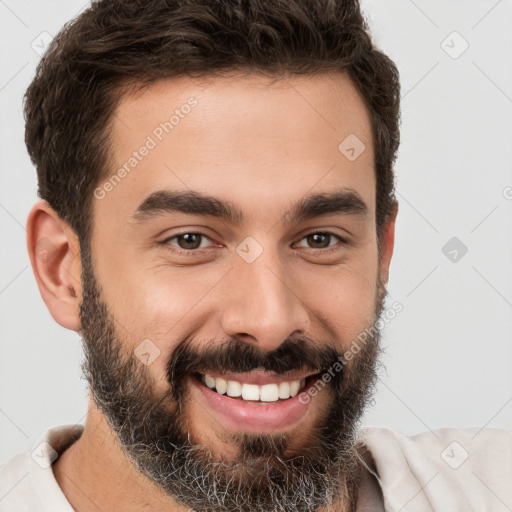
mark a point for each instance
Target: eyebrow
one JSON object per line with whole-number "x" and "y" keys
{"x": 345, "y": 201}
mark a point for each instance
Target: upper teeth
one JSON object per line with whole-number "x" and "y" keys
{"x": 264, "y": 393}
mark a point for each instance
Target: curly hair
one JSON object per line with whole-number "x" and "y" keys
{"x": 115, "y": 44}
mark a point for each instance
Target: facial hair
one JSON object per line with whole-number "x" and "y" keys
{"x": 268, "y": 474}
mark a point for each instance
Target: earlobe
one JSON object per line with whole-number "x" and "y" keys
{"x": 55, "y": 258}
{"x": 388, "y": 244}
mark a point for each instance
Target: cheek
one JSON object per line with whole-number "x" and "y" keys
{"x": 158, "y": 312}
{"x": 343, "y": 297}
{"x": 157, "y": 301}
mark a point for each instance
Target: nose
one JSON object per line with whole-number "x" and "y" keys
{"x": 261, "y": 305}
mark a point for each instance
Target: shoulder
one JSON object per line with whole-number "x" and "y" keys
{"x": 442, "y": 469}
{"x": 27, "y": 482}
{"x": 13, "y": 476}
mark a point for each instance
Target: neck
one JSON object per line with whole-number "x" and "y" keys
{"x": 95, "y": 474}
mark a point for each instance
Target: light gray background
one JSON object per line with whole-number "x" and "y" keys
{"x": 448, "y": 353}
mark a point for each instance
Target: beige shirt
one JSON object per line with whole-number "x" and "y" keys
{"x": 444, "y": 470}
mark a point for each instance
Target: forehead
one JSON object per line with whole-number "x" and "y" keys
{"x": 240, "y": 138}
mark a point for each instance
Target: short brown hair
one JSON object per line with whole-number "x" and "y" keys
{"x": 78, "y": 83}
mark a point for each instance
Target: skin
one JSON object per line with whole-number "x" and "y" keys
{"x": 262, "y": 147}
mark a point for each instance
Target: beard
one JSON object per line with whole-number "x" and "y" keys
{"x": 270, "y": 473}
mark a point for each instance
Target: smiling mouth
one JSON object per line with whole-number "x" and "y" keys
{"x": 255, "y": 401}
{"x": 250, "y": 391}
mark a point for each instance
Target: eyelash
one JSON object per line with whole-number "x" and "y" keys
{"x": 195, "y": 252}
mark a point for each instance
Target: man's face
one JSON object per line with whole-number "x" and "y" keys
{"x": 182, "y": 308}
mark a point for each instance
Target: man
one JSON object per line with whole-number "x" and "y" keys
{"x": 217, "y": 222}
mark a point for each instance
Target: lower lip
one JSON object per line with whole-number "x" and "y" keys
{"x": 238, "y": 414}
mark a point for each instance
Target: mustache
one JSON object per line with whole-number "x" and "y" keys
{"x": 234, "y": 356}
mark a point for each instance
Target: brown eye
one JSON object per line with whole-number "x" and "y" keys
{"x": 186, "y": 242}
{"x": 319, "y": 240}
{"x": 322, "y": 240}
{"x": 189, "y": 241}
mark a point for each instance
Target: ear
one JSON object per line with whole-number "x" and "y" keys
{"x": 387, "y": 244}
{"x": 54, "y": 253}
